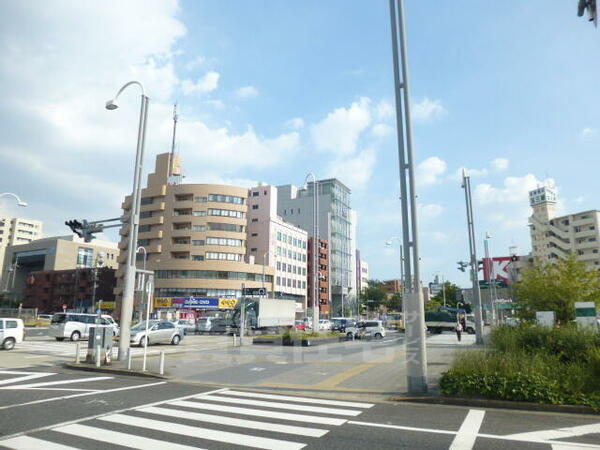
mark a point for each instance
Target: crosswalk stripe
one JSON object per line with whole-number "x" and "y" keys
{"x": 314, "y": 409}
{"x": 204, "y": 433}
{"x": 117, "y": 438}
{"x": 261, "y": 413}
{"x": 319, "y": 401}
{"x": 54, "y": 383}
{"x": 232, "y": 421}
{"x": 27, "y": 443}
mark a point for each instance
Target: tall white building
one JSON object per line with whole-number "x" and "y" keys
{"x": 16, "y": 231}
{"x": 554, "y": 237}
{"x": 276, "y": 243}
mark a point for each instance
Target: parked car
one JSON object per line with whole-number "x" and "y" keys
{"x": 159, "y": 332}
{"x": 301, "y": 325}
{"x": 75, "y": 326}
{"x": 187, "y": 326}
{"x": 211, "y": 325}
{"x": 341, "y": 323}
{"x": 324, "y": 324}
{"x": 367, "y": 329}
{"x": 12, "y": 332}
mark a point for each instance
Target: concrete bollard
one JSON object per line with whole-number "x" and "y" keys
{"x": 77, "y": 353}
{"x": 234, "y": 343}
{"x": 161, "y": 365}
{"x": 128, "y": 359}
{"x": 98, "y": 351}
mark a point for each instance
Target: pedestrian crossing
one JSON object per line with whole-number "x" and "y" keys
{"x": 61, "y": 349}
{"x": 207, "y": 420}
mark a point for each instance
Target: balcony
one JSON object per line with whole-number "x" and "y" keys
{"x": 152, "y": 234}
{"x": 155, "y": 206}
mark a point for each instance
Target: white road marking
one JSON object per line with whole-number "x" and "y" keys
{"x": 27, "y": 376}
{"x": 559, "y": 433}
{"x": 28, "y": 443}
{"x": 54, "y": 383}
{"x": 314, "y": 409}
{"x": 204, "y": 433}
{"x": 401, "y": 427}
{"x": 261, "y": 413}
{"x": 118, "y": 438}
{"x": 467, "y": 434}
{"x": 232, "y": 421}
{"x": 257, "y": 369}
{"x": 66, "y": 397}
{"x": 297, "y": 399}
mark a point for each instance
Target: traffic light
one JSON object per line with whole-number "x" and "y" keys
{"x": 75, "y": 226}
{"x": 592, "y": 10}
{"x": 479, "y": 265}
{"x": 84, "y": 229}
{"x": 514, "y": 258}
{"x": 462, "y": 266}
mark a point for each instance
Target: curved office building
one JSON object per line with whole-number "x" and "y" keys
{"x": 195, "y": 238}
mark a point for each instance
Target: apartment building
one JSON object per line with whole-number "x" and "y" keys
{"x": 337, "y": 225}
{"x": 195, "y": 236}
{"x": 277, "y": 244}
{"x": 54, "y": 253}
{"x": 554, "y": 237}
{"x": 16, "y": 231}
{"x": 323, "y": 278}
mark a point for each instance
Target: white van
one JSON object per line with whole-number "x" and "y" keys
{"x": 75, "y": 326}
{"x": 11, "y": 332}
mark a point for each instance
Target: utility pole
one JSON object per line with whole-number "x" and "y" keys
{"x": 416, "y": 356}
{"x": 491, "y": 275}
{"x": 466, "y": 185}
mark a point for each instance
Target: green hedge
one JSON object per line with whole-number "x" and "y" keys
{"x": 557, "y": 366}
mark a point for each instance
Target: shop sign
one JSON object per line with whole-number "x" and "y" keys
{"x": 163, "y": 302}
{"x": 227, "y": 303}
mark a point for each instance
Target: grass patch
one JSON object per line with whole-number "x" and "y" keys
{"x": 526, "y": 363}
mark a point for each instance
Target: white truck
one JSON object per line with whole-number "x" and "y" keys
{"x": 266, "y": 313}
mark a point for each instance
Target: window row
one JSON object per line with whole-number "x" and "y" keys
{"x": 291, "y": 268}
{"x": 211, "y": 275}
{"x": 223, "y": 256}
{"x": 282, "y": 237}
{"x": 224, "y": 241}
{"x": 291, "y": 254}
{"x": 290, "y": 282}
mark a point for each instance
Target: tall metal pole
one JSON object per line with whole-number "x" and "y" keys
{"x": 134, "y": 221}
{"x": 466, "y": 185}
{"x": 416, "y": 356}
{"x": 444, "y": 290}
{"x": 315, "y": 296}
{"x": 492, "y": 277}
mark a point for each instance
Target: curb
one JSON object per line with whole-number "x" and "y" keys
{"x": 114, "y": 371}
{"x": 499, "y": 404}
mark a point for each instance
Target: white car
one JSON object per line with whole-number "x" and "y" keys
{"x": 324, "y": 324}
{"x": 159, "y": 332}
{"x": 75, "y": 326}
{"x": 367, "y": 329}
{"x": 11, "y": 332}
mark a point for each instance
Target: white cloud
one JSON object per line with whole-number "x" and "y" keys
{"x": 428, "y": 110}
{"x": 208, "y": 83}
{"x": 381, "y": 130}
{"x": 216, "y": 103}
{"x": 247, "y": 92}
{"x": 198, "y": 61}
{"x": 295, "y": 124}
{"x": 500, "y": 164}
{"x": 589, "y": 132}
{"x": 339, "y": 132}
{"x": 384, "y": 110}
{"x": 354, "y": 171}
{"x": 514, "y": 190}
{"x": 430, "y": 171}
{"x": 429, "y": 211}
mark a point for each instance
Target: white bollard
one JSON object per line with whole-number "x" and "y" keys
{"x": 128, "y": 359}
{"x": 161, "y": 366}
{"x": 98, "y": 351}
{"x": 77, "y": 353}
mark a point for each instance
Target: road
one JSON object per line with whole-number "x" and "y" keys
{"x": 59, "y": 409}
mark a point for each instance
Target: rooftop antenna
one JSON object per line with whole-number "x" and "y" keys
{"x": 172, "y": 156}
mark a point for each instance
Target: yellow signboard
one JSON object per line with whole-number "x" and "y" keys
{"x": 163, "y": 302}
{"x": 106, "y": 305}
{"x": 227, "y": 303}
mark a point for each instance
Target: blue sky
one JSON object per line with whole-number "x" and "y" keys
{"x": 270, "y": 90}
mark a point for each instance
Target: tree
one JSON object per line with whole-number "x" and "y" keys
{"x": 452, "y": 292}
{"x": 373, "y": 295}
{"x": 556, "y": 287}
{"x": 394, "y": 303}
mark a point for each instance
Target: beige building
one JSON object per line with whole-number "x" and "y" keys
{"x": 195, "y": 236}
{"x": 277, "y": 243}
{"x": 53, "y": 253}
{"x": 16, "y": 231}
{"x": 554, "y": 237}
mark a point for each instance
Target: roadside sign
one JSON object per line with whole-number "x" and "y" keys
{"x": 254, "y": 291}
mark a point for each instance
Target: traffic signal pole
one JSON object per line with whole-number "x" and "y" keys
{"x": 466, "y": 185}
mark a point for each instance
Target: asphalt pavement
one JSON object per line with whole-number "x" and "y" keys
{"x": 63, "y": 409}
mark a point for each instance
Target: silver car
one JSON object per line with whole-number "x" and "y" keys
{"x": 159, "y": 332}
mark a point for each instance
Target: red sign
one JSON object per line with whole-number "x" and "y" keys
{"x": 501, "y": 266}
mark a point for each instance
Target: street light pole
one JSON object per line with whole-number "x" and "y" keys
{"x": 316, "y": 252}
{"x": 15, "y": 196}
{"x": 466, "y": 185}
{"x": 416, "y": 360}
{"x": 134, "y": 221}
{"x": 491, "y": 275}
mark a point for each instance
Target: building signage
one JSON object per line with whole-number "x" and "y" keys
{"x": 227, "y": 303}
{"x": 163, "y": 302}
{"x": 105, "y": 305}
{"x": 585, "y": 314}
{"x": 254, "y": 291}
{"x": 201, "y": 302}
